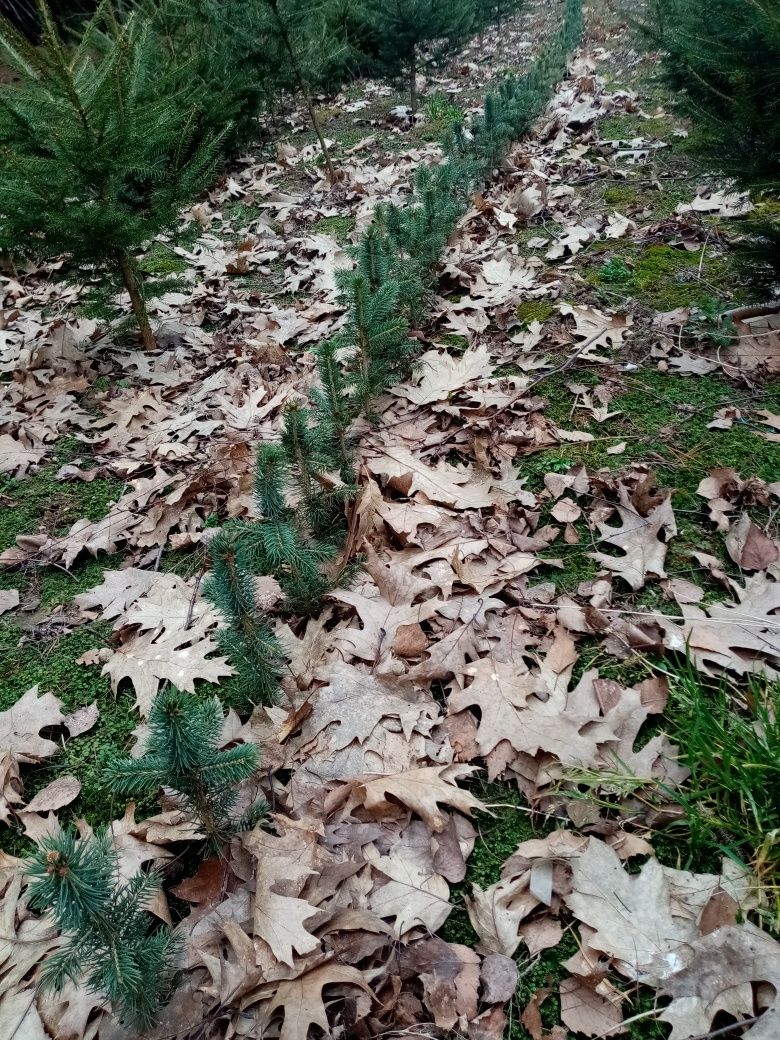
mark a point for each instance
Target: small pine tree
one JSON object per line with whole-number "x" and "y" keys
{"x": 418, "y": 232}
{"x": 298, "y": 496}
{"x": 110, "y": 944}
{"x": 183, "y": 754}
{"x": 722, "y": 59}
{"x": 213, "y": 51}
{"x": 405, "y": 28}
{"x": 247, "y": 639}
{"x": 93, "y": 161}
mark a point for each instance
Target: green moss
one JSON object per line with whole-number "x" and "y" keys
{"x": 455, "y": 344}
{"x": 663, "y": 277}
{"x": 577, "y": 564}
{"x": 544, "y": 971}
{"x": 621, "y": 195}
{"x": 629, "y": 125}
{"x": 161, "y": 260}
{"x": 42, "y": 502}
{"x": 50, "y": 664}
{"x": 59, "y": 587}
{"x": 339, "y": 228}
{"x": 499, "y": 834}
{"x": 534, "y": 310}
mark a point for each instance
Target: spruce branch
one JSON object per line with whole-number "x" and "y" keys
{"x": 110, "y": 945}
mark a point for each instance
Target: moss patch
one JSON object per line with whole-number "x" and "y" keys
{"x": 534, "y": 310}
{"x": 41, "y": 502}
{"x": 498, "y": 835}
{"x": 50, "y": 664}
{"x": 339, "y": 228}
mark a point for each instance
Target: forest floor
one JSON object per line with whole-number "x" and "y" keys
{"x": 534, "y": 740}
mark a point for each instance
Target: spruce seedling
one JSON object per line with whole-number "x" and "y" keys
{"x": 110, "y": 945}
{"x": 183, "y": 754}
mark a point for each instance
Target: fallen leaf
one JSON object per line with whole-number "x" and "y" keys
{"x": 749, "y": 547}
{"x": 421, "y": 790}
{"x": 722, "y": 972}
{"x": 302, "y": 999}
{"x": 60, "y": 792}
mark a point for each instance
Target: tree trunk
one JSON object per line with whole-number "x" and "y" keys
{"x": 303, "y": 87}
{"x": 132, "y": 279}
{"x": 413, "y": 81}
{"x": 332, "y": 175}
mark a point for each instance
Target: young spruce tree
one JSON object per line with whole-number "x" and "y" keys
{"x": 183, "y": 754}
{"x": 93, "y": 160}
{"x": 304, "y": 52}
{"x": 722, "y": 60}
{"x": 406, "y": 28}
{"x": 110, "y": 945}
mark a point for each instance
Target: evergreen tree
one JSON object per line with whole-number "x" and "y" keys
{"x": 303, "y": 481}
{"x": 213, "y": 50}
{"x": 405, "y": 30}
{"x": 110, "y": 944}
{"x": 722, "y": 60}
{"x": 304, "y": 53}
{"x": 93, "y": 161}
{"x": 183, "y": 754}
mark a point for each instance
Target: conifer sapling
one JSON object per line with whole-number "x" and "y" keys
{"x": 111, "y": 945}
{"x": 95, "y": 159}
{"x": 183, "y": 754}
{"x": 404, "y": 27}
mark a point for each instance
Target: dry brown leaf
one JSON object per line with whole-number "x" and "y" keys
{"x": 588, "y": 1012}
{"x": 414, "y": 896}
{"x": 354, "y": 702}
{"x": 60, "y": 792}
{"x": 422, "y": 791}
{"x": 605, "y": 330}
{"x": 499, "y": 977}
{"x": 638, "y": 538}
{"x": 20, "y": 741}
{"x": 742, "y": 637}
{"x": 723, "y": 972}
{"x": 749, "y": 547}
{"x": 442, "y": 373}
{"x": 180, "y": 656}
{"x": 302, "y": 999}
{"x": 444, "y": 483}
{"x": 82, "y": 719}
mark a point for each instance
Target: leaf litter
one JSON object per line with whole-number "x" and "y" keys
{"x": 446, "y": 656}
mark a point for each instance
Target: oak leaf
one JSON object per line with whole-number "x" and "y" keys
{"x": 444, "y": 483}
{"x": 20, "y": 741}
{"x": 179, "y": 656}
{"x": 638, "y": 537}
{"x": 443, "y": 373}
{"x": 302, "y": 999}
{"x": 422, "y": 791}
{"x": 723, "y": 972}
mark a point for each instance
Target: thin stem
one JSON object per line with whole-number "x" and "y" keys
{"x": 132, "y": 281}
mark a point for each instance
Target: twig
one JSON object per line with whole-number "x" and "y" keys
{"x": 567, "y": 363}
{"x": 727, "y": 1029}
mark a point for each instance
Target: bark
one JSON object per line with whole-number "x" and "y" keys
{"x": 332, "y": 175}
{"x": 413, "y": 81}
{"x": 132, "y": 280}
